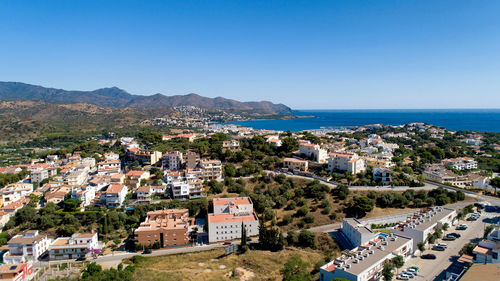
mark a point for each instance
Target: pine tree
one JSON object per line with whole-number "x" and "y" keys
{"x": 243, "y": 235}
{"x": 105, "y": 229}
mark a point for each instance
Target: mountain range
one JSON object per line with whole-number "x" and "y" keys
{"x": 118, "y": 98}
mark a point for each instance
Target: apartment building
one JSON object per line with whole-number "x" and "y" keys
{"x": 16, "y": 272}
{"x": 115, "y": 195}
{"x": 232, "y": 145}
{"x": 229, "y": 215}
{"x": 211, "y": 169}
{"x": 79, "y": 245}
{"x": 85, "y": 194}
{"x": 356, "y": 232}
{"x": 147, "y": 157}
{"x": 109, "y": 167}
{"x": 134, "y": 178}
{"x": 26, "y": 246}
{"x": 38, "y": 175}
{"x": 293, "y": 164}
{"x": 421, "y": 224}
{"x": 172, "y": 160}
{"x": 179, "y": 189}
{"x": 366, "y": 262}
{"x": 462, "y": 163}
{"x": 169, "y": 227}
{"x": 15, "y": 191}
{"x": 313, "y": 152}
{"x": 440, "y": 174}
{"x": 192, "y": 159}
{"x": 346, "y": 162}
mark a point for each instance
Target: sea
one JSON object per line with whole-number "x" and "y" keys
{"x": 482, "y": 120}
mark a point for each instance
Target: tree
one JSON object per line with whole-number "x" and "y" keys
{"x": 387, "y": 271}
{"x": 495, "y": 182}
{"x": 307, "y": 239}
{"x": 244, "y": 246}
{"x": 361, "y": 205}
{"x": 398, "y": 261}
{"x": 421, "y": 247}
{"x": 295, "y": 269}
{"x": 446, "y": 226}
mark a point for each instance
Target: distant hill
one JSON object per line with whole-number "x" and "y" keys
{"x": 118, "y": 98}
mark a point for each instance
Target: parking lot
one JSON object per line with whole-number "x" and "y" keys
{"x": 435, "y": 269}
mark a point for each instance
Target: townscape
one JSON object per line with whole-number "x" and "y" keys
{"x": 220, "y": 185}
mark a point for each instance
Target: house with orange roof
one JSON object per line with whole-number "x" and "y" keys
{"x": 229, "y": 216}
{"x": 115, "y": 195}
{"x": 17, "y": 271}
{"x": 134, "y": 177}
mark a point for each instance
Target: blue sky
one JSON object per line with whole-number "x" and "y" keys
{"x": 306, "y": 54}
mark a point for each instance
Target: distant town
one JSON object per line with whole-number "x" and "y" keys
{"x": 373, "y": 201}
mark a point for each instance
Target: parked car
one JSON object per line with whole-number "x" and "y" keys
{"x": 416, "y": 268}
{"x": 462, "y": 227}
{"x": 429, "y": 256}
{"x": 403, "y": 277}
{"x": 147, "y": 251}
{"x": 228, "y": 242}
{"x": 410, "y": 274}
{"x": 442, "y": 245}
{"x": 449, "y": 238}
{"x": 454, "y": 234}
{"x": 438, "y": 248}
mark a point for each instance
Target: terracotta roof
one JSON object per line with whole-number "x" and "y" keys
{"x": 135, "y": 173}
{"x": 115, "y": 188}
{"x": 235, "y": 200}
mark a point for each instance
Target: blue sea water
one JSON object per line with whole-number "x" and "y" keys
{"x": 484, "y": 120}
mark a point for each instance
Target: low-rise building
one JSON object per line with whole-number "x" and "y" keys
{"x": 109, "y": 167}
{"x": 232, "y": 145}
{"x": 15, "y": 191}
{"x": 79, "y": 245}
{"x": 346, "y": 162}
{"x": 147, "y": 157}
{"x": 462, "y": 163}
{"x": 382, "y": 175}
{"x": 144, "y": 194}
{"x": 487, "y": 251}
{"x": 229, "y": 216}
{"x": 295, "y": 165}
{"x": 366, "y": 262}
{"x": 115, "y": 195}
{"x": 313, "y": 152}
{"x": 16, "y": 272}
{"x": 26, "y": 246}
{"x": 134, "y": 178}
{"x": 356, "y": 232}
{"x": 38, "y": 175}
{"x": 168, "y": 227}
{"x": 422, "y": 223}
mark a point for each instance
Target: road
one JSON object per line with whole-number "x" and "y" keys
{"x": 435, "y": 269}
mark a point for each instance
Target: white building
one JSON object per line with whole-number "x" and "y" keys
{"x": 382, "y": 175}
{"x": 115, "y": 195}
{"x": 462, "y": 163}
{"x": 180, "y": 189}
{"x": 313, "y": 151}
{"x": 85, "y": 194}
{"x": 356, "y": 232}
{"x": 229, "y": 214}
{"x": 348, "y": 162}
{"x": 421, "y": 224}
{"x": 111, "y": 155}
{"x": 77, "y": 246}
{"x": 172, "y": 160}
{"x": 15, "y": 191}
{"x": 109, "y": 166}
{"x": 366, "y": 262}
{"x": 211, "y": 169}
{"x": 144, "y": 194}
{"x": 26, "y": 246}
{"x": 39, "y": 175}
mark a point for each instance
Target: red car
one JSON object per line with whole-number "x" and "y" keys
{"x": 228, "y": 242}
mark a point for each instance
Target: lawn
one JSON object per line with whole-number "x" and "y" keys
{"x": 213, "y": 265}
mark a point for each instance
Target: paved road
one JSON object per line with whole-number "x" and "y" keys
{"x": 492, "y": 200}
{"x": 435, "y": 269}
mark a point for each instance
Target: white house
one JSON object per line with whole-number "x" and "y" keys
{"x": 26, "y": 246}
{"x": 313, "y": 151}
{"x": 77, "y": 246}
{"x": 115, "y": 195}
{"x": 172, "y": 160}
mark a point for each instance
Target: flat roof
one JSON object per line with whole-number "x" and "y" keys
{"x": 358, "y": 225}
{"x": 215, "y": 218}
{"x": 378, "y": 254}
{"x": 429, "y": 218}
{"x": 483, "y": 272}
{"x": 233, "y": 200}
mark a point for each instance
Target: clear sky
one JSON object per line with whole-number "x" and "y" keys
{"x": 306, "y": 54}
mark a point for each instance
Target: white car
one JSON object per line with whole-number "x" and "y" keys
{"x": 403, "y": 277}
{"x": 442, "y": 245}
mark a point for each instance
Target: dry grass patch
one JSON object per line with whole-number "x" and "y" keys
{"x": 213, "y": 265}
